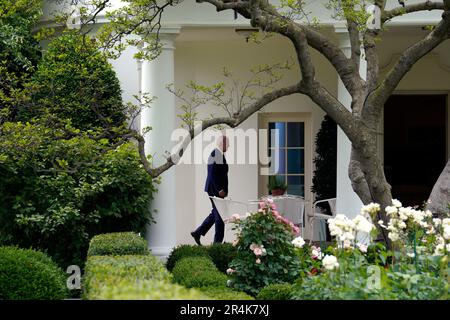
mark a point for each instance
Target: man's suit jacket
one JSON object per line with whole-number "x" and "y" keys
{"x": 217, "y": 178}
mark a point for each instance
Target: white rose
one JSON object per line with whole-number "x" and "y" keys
{"x": 396, "y": 203}
{"x": 446, "y": 232}
{"x": 446, "y": 222}
{"x": 298, "y": 242}
{"x": 362, "y": 224}
{"x": 439, "y": 250}
{"x": 362, "y": 247}
{"x": 330, "y": 262}
{"x": 390, "y": 210}
{"x": 437, "y": 221}
{"x": 393, "y": 236}
{"x": 316, "y": 253}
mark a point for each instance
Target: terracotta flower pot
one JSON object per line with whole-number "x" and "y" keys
{"x": 277, "y": 192}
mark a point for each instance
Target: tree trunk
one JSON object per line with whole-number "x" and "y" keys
{"x": 369, "y": 182}
{"x": 440, "y": 195}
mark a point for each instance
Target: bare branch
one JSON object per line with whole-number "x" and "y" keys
{"x": 423, "y": 6}
{"x": 231, "y": 122}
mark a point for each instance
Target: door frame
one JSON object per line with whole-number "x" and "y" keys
{"x": 263, "y": 119}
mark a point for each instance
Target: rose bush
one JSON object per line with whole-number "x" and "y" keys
{"x": 265, "y": 253}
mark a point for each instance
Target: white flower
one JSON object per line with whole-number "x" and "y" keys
{"x": 316, "y": 253}
{"x": 362, "y": 224}
{"x": 402, "y": 225}
{"x": 439, "y": 250}
{"x": 446, "y": 222}
{"x": 410, "y": 254}
{"x": 390, "y": 210}
{"x": 330, "y": 262}
{"x": 362, "y": 247}
{"x": 248, "y": 214}
{"x": 298, "y": 242}
{"x": 393, "y": 236}
{"x": 447, "y": 247}
{"x": 370, "y": 208}
{"x": 230, "y": 271}
{"x": 437, "y": 221}
{"x": 447, "y": 232}
{"x": 396, "y": 203}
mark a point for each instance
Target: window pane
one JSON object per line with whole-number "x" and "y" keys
{"x": 296, "y": 185}
{"x": 296, "y": 161}
{"x": 295, "y": 134}
{"x": 277, "y": 134}
{"x": 277, "y": 161}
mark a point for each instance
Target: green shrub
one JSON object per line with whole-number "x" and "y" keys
{"x": 127, "y": 289}
{"x": 28, "y": 274}
{"x": 198, "y": 272}
{"x": 222, "y": 254}
{"x": 75, "y": 81}
{"x": 184, "y": 251}
{"x": 110, "y": 270}
{"x": 224, "y": 293}
{"x": 67, "y": 188}
{"x": 279, "y": 291}
{"x": 117, "y": 243}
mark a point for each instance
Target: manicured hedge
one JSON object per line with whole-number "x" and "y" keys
{"x": 279, "y": 291}
{"x": 222, "y": 254}
{"x": 117, "y": 243}
{"x": 225, "y": 293}
{"x": 127, "y": 289}
{"x": 198, "y": 272}
{"x": 184, "y": 251}
{"x": 30, "y": 275}
{"x": 111, "y": 270}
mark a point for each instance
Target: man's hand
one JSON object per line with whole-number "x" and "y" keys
{"x": 222, "y": 194}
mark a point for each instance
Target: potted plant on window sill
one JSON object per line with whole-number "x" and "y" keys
{"x": 276, "y": 186}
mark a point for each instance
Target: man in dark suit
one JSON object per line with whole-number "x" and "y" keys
{"x": 216, "y": 185}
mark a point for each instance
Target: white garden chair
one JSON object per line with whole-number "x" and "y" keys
{"x": 228, "y": 207}
{"x": 316, "y": 213}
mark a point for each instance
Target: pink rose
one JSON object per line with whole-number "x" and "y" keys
{"x": 258, "y": 261}
{"x": 257, "y": 251}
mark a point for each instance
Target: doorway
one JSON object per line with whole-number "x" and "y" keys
{"x": 415, "y": 144}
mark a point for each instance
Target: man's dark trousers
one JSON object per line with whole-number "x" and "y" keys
{"x": 213, "y": 218}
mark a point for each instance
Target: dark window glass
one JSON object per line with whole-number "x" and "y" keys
{"x": 296, "y": 161}
{"x": 296, "y": 134}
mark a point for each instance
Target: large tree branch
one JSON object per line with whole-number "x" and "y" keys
{"x": 406, "y": 61}
{"x": 410, "y": 8}
{"x": 231, "y": 122}
{"x": 325, "y": 46}
{"x": 237, "y": 5}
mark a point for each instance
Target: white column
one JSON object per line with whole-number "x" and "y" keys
{"x": 161, "y": 116}
{"x": 348, "y": 202}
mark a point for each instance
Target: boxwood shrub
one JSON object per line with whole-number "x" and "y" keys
{"x": 222, "y": 254}
{"x": 279, "y": 291}
{"x": 111, "y": 270}
{"x": 127, "y": 289}
{"x": 225, "y": 293}
{"x": 117, "y": 243}
{"x": 183, "y": 251}
{"x": 26, "y": 274}
{"x": 198, "y": 272}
